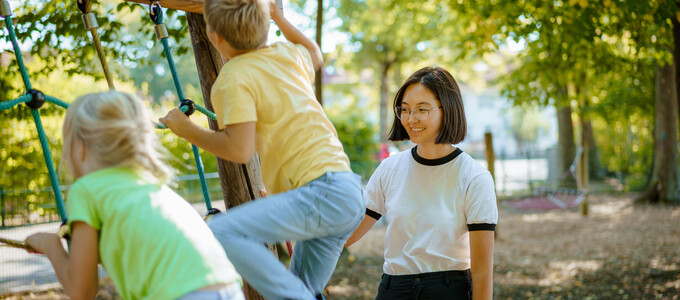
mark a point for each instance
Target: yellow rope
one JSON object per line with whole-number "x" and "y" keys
{"x": 91, "y": 25}
{"x": 17, "y": 244}
{"x": 62, "y": 232}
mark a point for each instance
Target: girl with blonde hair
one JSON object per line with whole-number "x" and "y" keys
{"x": 151, "y": 242}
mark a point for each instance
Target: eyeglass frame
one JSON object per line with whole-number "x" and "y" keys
{"x": 412, "y": 112}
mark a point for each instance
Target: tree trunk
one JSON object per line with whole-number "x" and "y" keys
{"x": 566, "y": 147}
{"x": 664, "y": 186}
{"x": 385, "y": 104}
{"x": 595, "y": 168}
{"x": 318, "y": 81}
{"x": 240, "y": 183}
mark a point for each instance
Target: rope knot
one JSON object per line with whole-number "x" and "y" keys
{"x": 37, "y": 99}
{"x": 187, "y": 106}
{"x": 156, "y": 13}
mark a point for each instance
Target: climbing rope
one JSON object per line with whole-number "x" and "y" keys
{"x": 91, "y": 25}
{"x": 186, "y": 105}
{"x": 34, "y": 99}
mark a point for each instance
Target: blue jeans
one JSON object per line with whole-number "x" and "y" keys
{"x": 320, "y": 216}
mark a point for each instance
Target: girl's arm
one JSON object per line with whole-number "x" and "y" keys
{"x": 481, "y": 260}
{"x": 77, "y": 270}
{"x": 366, "y": 223}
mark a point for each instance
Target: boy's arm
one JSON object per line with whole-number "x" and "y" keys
{"x": 293, "y": 35}
{"x": 235, "y": 143}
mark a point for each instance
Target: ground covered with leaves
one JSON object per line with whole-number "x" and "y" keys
{"x": 619, "y": 251}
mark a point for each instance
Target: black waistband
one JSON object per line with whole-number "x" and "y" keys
{"x": 433, "y": 274}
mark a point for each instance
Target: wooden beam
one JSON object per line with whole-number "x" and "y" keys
{"x": 194, "y": 6}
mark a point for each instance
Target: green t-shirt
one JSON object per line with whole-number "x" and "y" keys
{"x": 152, "y": 243}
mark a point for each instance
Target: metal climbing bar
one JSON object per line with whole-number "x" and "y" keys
{"x": 156, "y": 14}
{"x": 34, "y": 101}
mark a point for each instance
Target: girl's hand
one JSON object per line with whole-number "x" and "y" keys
{"x": 43, "y": 242}
{"x": 275, "y": 11}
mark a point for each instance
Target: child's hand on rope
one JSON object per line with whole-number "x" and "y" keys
{"x": 176, "y": 120}
{"x": 42, "y": 242}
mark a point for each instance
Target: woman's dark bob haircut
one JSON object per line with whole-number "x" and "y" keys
{"x": 444, "y": 87}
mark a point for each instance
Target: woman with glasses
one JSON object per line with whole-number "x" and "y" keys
{"x": 440, "y": 204}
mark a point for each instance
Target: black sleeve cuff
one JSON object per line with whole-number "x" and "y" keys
{"x": 480, "y": 227}
{"x": 373, "y": 214}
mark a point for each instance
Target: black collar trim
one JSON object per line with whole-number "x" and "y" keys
{"x": 436, "y": 161}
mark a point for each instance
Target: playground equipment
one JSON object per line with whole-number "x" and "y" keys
{"x": 35, "y": 99}
{"x": 553, "y": 197}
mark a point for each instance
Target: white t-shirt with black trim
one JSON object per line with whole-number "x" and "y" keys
{"x": 430, "y": 206}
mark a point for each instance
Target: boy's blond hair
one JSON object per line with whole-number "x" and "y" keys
{"x": 117, "y": 130}
{"x": 242, "y": 23}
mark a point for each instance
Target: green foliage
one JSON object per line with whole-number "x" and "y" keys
{"x": 527, "y": 124}
{"x": 357, "y": 137}
{"x": 605, "y": 53}
{"x": 389, "y": 38}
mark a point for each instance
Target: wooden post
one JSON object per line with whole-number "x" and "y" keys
{"x": 490, "y": 164}
{"x": 583, "y": 172}
{"x": 318, "y": 81}
{"x": 2, "y": 202}
{"x": 240, "y": 183}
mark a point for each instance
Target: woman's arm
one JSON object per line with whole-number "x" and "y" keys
{"x": 77, "y": 270}
{"x": 366, "y": 223}
{"x": 481, "y": 260}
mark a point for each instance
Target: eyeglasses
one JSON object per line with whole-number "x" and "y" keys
{"x": 419, "y": 112}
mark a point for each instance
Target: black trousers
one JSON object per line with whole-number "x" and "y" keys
{"x": 449, "y": 285}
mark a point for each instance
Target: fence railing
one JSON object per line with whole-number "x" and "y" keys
{"x": 19, "y": 207}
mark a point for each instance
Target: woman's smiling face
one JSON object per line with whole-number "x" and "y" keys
{"x": 421, "y": 130}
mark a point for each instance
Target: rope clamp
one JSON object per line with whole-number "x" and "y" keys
{"x": 90, "y": 21}
{"x": 161, "y": 31}
{"x": 210, "y": 213}
{"x": 187, "y": 106}
{"x": 37, "y": 99}
{"x": 5, "y": 10}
